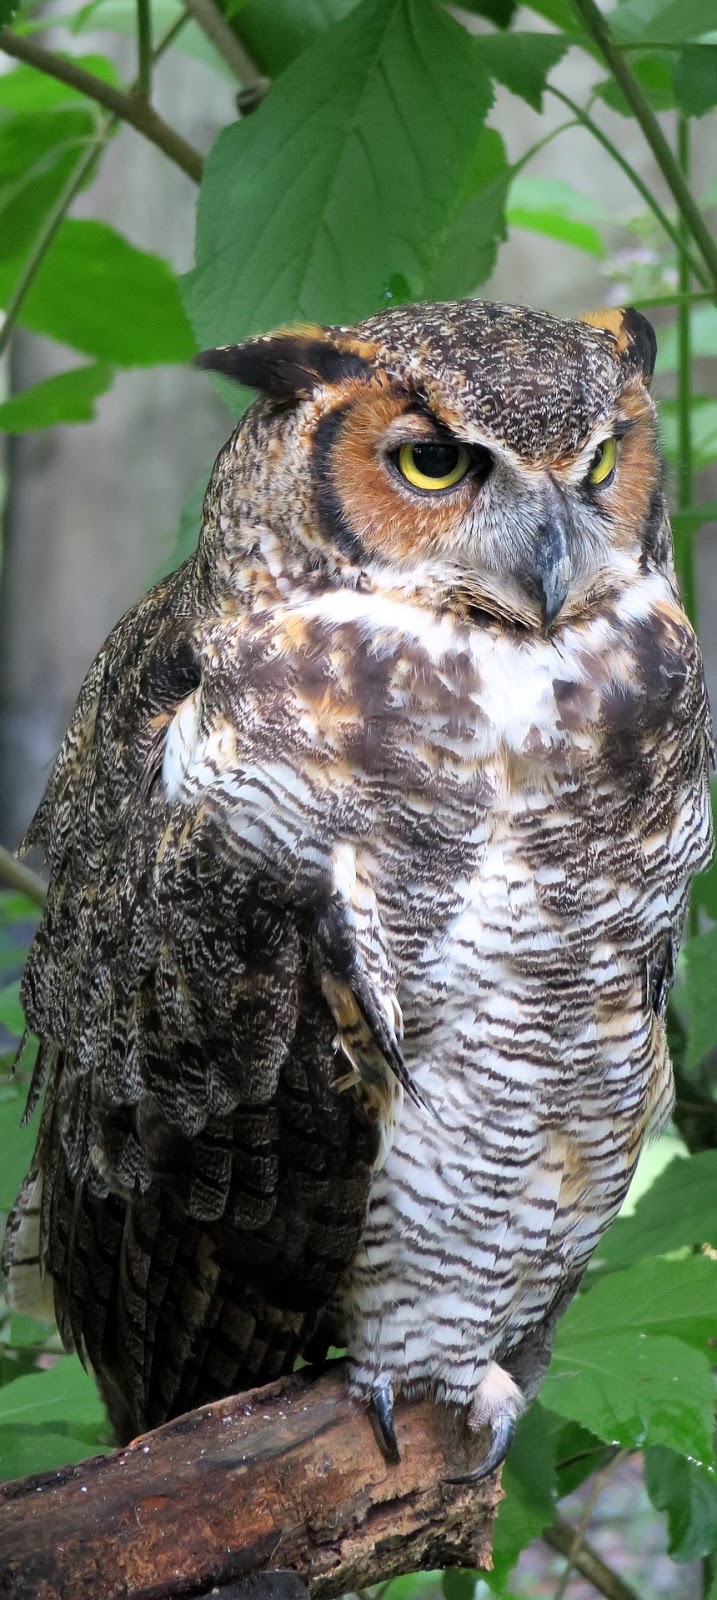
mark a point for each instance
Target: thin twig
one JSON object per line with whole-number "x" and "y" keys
{"x": 129, "y": 107}
{"x": 653, "y": 205}
{"x": 672, "y": 299}
{"x": 144, "y": 48}
{"x": 597, "y": 29}
{"x": 78, "y": 177}
{"x": 561, "y": 1536}
{"x": 209, "y": 18}
{"x": 15, "y": 875}
{"x": 596, "y": 1488}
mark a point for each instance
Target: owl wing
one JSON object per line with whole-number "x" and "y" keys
{"x": 199, "y": 1181}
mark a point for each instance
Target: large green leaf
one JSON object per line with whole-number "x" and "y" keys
{"x": 469, "y": 251}
{"x": 275, "y": 32}
{"x": 340, "y": 181}
{"x": 678, "y": 1298}
{"x": 26, "y": 1449}
{"x": 704, "y": 888}
{"x": 680, "y": 1209}
{"x": 99, "y": 294}
{"x": 523, "y": 61}
{"x": 529, "y": 1483}
{"x": 633, "y": 1389}
{"x": 65, "y": 1397}
{"x": 69, "y": 397}
{"x": 555, "y": 208}
{"x": 695, "y": 79}
{"x": 688, "y": 1493}
{"x": 662, "y": 21}
{"x": 17, "y": 1143}
{"x": 698, "y": 960}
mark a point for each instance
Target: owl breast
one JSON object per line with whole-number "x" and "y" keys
{"x": 486, "y": 804}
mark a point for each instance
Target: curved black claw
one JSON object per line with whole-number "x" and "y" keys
{"x": 381, "y": 1409}
{"x": 502, "y": 1435}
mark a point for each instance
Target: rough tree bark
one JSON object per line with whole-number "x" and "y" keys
{"x": 285, "y": 1477}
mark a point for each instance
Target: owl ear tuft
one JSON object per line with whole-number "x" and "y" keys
{"x": 290, "y": 363}
{"x": 635, "y": 336}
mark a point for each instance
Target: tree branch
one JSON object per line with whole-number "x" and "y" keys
{"x": 15, "y": 875}
{"x": 289, "y": 1476}
{"x": 209, "y": 18}
{"x": 561, "y": 1537}
{"x": 597, "y": 29}
{"x": 130, "y": 108}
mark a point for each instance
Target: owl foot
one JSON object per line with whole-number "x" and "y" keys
{"x": 498, "y": 1402}
{"x": 502, "y": 1435}
{"x": 381, "y": 1412}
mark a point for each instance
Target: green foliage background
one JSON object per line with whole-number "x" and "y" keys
{"x": 365, "y": 172}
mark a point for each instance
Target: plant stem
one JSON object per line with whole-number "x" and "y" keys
{"x": 561, "y": 1537}
{"x": 209, "y": 18}
{"x": 673, "y": 299}
{"x": 144, "y": 48}
{"x": 669, "y": 227}
{"x": 15, "y": 875}
{"x": 597, "y": 29}
{"x": 596, "y": 1488}
{"x": 128, "y": 106}
{"x": 541, "y": 143}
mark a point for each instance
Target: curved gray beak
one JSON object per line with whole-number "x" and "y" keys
{"x": 547, "y": 577}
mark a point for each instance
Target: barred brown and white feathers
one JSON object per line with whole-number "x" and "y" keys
{"x": 369, "y": 849}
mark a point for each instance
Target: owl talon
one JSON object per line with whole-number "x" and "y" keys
{"x": 502, "y": 1435}
{"x": 381, "y": 1411}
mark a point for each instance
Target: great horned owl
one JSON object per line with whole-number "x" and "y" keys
{"x": 369, "y": 846}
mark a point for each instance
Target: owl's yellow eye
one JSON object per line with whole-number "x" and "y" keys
{"x": 433, "y": 466}
{"x": 603, "y": 462}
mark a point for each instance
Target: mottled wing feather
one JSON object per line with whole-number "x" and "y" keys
{"x": 203, "y": 1183}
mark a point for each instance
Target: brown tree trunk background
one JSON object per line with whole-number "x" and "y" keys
{"x": 285, "y": 1477}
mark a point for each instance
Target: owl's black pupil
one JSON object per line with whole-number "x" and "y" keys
{"x": 435, "y": 460}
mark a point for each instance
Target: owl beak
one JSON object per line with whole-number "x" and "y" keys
{"x": 549, "y": 576}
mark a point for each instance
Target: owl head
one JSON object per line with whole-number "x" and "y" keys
{"x": 488, "y": 457}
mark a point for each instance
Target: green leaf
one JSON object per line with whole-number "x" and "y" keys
{"x": 11, "y": 1012}
{"x": 703, "y": 339}
{"x": 698, "y": 959}
{"x": 17, "y": 1143}
{"x": 275, "y": 32}
{"x": 679, "y": 1210}
{"x": 653, "y": 20}
{"x": 459, "y": 1583}
{"x": 523, "y": 61}
{"x": 340, "y": 181}
{"x": 654, "y": 75}
{"x": 99, "y": 294}
{"x": 703, "y": 430}
{"x": 653, "y": 1296}
{"x": 695, "y": 79}
{"x": 32, "y": 1449}
{"x": 26, "y": 89}
{"x": 7, "y": 11}
{"x": 69, "y": 397}
{"x": 704, "y": 888}
{"x": 411, "y": 1585}
{"x": 529, "y": 1484}
{"x": 688, "y": 1493}
{"x": 633, "y": 1389}
{"x": 549, "y": 206}
{"x": 470, "y": 248}
{"x": 560, "y": 13}
{"x": 580, "y": 234}
{"x": 501, "y": 12}
{"x": 65, "y": 1396}
{"x": 578, "y": 1453}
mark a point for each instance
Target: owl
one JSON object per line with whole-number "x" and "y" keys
{"x": 369, "y": 846}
